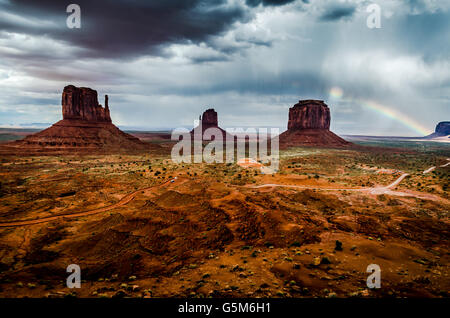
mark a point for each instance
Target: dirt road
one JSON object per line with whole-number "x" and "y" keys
{"x": 434, "y": 167}
{"x": 429, "y": 170}
{"x": 372, "y": 190}
{"x": 126, "y": 199}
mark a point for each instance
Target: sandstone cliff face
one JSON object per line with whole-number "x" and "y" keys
{"x": 209, "y": 118}
{"x": 443, "y": 128}
{"x": 309, "y": 114}
{"x": 86, "y": 127}
{"x": 309, "y": 125}
{"x": 81, "y": 103}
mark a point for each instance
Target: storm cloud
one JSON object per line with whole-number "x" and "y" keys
{"x": 338, "y": 11}
{"x": 254, "y": 3}
{"x": 164, "y": 62}
{"x": 121, "y": 28}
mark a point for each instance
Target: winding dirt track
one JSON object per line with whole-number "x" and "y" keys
{"x": 434, "y": 167}
{"x": 373, "y": 190}
{"x": 127, "y": 198}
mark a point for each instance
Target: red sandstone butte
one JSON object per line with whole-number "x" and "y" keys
{"x": 81, "y": 103}
{"x": 86, "y": 126}
{"x": 309, "y": 125}
{"x": 209, "y": 119}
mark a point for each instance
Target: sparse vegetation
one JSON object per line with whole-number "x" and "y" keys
{"x": 211, "y": 234}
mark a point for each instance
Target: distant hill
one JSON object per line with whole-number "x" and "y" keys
{"x": 442, "y": 131}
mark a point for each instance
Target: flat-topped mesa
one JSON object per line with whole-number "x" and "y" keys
{"x": 309, "y": 125}
{"x": 81, "y": 103}
{"x": 309, "y": 114}
{"x": 443, "y": 128}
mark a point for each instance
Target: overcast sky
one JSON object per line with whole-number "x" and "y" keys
{"x": 164, "y": 62}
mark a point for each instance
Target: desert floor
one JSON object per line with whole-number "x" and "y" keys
{"x": 219, "y": 230}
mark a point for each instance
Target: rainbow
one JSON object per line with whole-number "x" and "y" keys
{"x": 337, "y": 93}
{"x": 396, "y": 115}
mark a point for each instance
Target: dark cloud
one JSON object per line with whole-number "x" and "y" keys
{"x": 260, "y": 83}
{"x": 119, "y": 28}
{"x": 254, "y": 40}
{"x": 338, "y": 12}
{"x": 255, "y": 3}
{"x": 159, "y": 58}
{"x": 208, "y": 58}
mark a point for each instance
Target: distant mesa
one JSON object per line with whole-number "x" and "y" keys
{"x": 309, "y": 125}
{"x": 86, "y": 126}
{"x": 209, "y": 119}
{"x": 442, "y": 130}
